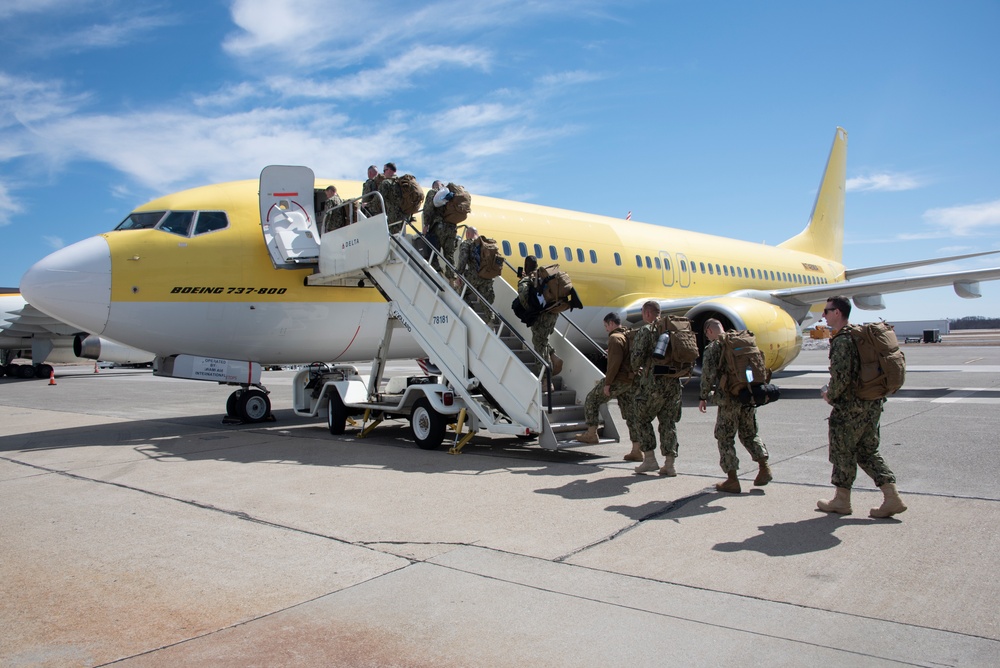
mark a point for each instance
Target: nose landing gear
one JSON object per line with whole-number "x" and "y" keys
{"x": 248, "y": 406}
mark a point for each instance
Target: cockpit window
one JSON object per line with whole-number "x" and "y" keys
{"x": 209, "y": 221}
{"x": 141, "y": 220}
{"x": 177, "y": 222}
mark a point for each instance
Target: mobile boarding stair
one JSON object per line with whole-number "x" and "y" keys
{"x": 492, "y": 379}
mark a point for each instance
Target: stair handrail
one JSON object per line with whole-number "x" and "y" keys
{"x": 409, "y": 249}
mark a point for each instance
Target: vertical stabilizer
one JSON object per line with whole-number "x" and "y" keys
{"x": 824, "y": 235}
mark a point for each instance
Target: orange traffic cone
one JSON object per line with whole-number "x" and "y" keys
{"x": 52, "y": 377}
{"x": 95, "y": 367}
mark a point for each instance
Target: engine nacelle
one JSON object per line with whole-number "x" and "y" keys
{"x": 91, "y": 347}
{"x": 778, "y": 335}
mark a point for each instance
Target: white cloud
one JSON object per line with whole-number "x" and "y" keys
{"x": 336, "y": 33}
{"x": 121, "y": 30}
{"x": 55, "y": 243}
{"x": 966, "y": 220}
{"x": 11, "y": 8}
{"x": 25, "y": 101}
{"x": 382, "y": 82}
{"x": 229, "y": 96}
{"x": 469, "y": 116}
{"x": 883, "y": 183}
{"x": 9, "y": 206}
{"x": 573, "y": 78}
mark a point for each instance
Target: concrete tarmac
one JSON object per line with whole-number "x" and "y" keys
{"x": 139, "y": 530}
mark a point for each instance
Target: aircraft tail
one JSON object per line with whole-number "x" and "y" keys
{"x": 824, "y": 235}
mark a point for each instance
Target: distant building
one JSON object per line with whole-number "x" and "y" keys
{"x": 904, "y": 328}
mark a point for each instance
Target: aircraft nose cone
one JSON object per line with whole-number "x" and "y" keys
{"x": 73, "y": 284}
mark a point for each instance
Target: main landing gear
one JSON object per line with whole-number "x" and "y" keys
{"x": 248, "y": 406}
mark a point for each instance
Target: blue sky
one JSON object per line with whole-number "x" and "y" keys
{"x": 714, "y": 116}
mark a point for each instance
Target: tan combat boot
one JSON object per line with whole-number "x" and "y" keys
{"x": 891, "y": 504}
{"x": 557, "y": 364}
{"x": 763, "y": 475}
{"x": 635, "y": 455}
{"x": 731, "y": 485}
{"x": 649, "y": 463}
{"x": 840, "y": 504}
{"x": 668, "y": 469}
{"x": 589, "y": 436}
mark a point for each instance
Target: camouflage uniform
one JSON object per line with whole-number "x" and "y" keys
{"x": 656, "y": 397}
{"x": 733, "y": 417}
{"x": 372, "y": 205}
{"x": 468, "y": 267}
{"x": 854, "y": 422}
{"x": 331, "y": 222}
{"x": 544, "y": 325}
{"x": 618, "y": 380}
{"x": 393, "y": 200}
{"x": 447, "y": 234}
{"x": 432, "y": 222}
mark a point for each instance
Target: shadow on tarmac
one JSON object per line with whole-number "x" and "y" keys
{"x": 292, "y": 439}
{"x": 791, "y": 538}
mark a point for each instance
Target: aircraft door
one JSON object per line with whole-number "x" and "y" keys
{"x": 666, "y": 268}
{"x": 288, "y": 215}
{"x": 683, "y": 270}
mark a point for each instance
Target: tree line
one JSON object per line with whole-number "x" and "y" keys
{"x": 975, "y": 322}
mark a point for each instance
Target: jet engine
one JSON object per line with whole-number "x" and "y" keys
{"x": 92, "y": 347}
{"x": 778, "y": 335}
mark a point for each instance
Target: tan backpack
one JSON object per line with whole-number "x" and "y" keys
{"x": 458, "y": 208}
{"x": 742, "y": 363}
{"x": 681, "y": 351}
{"x": 883, "y": 365}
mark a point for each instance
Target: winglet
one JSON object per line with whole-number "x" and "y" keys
{"x": 824, "y": 235}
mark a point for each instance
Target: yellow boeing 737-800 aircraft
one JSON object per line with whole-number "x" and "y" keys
{"x": 204, "y": 273}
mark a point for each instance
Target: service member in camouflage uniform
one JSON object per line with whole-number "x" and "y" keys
{"x": 854, "y": 422}
{"x": 733, "y": 417}
{"x": 372, "y": 206}
{"x": 447, "y": 233}
{"x": 431, "y": 222}
{"x": 468, "y": 267}
{"x": 330, "y": 221}
{"x": 545, "y": 323}
{"x": 393, "y": 199}
{"x": 656, "y": 397}
{"x": 617, "y": 381}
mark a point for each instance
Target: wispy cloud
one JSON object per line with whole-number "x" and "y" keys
{"x": 9, "y": 206}
{"x": 55, "y": 243}
{"x": 966, "y": 220}
{"x": 382, "y": 82}
{"x": 469, "y": 116}
{"x": 114, "y": 33}
{"x": 883, "y": 182}
{"x": 11, "y": 8}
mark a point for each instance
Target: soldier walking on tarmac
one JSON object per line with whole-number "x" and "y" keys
{"x": 655, "y": 397}
{"x": 854, "y": 422}
{"x": 733, "y": 417}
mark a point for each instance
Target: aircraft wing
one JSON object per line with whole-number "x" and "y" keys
{"x": 28, "y": 321}
{"x": 852, "y": 274}
{"x": 866, "y": 294}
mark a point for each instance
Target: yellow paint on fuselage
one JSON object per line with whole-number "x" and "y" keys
{"x": 233, "y": 264}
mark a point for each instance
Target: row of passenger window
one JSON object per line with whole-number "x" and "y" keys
{"x": 654, "y": 262}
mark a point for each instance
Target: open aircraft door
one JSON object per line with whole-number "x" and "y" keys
{"x": 288, "y": 215}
